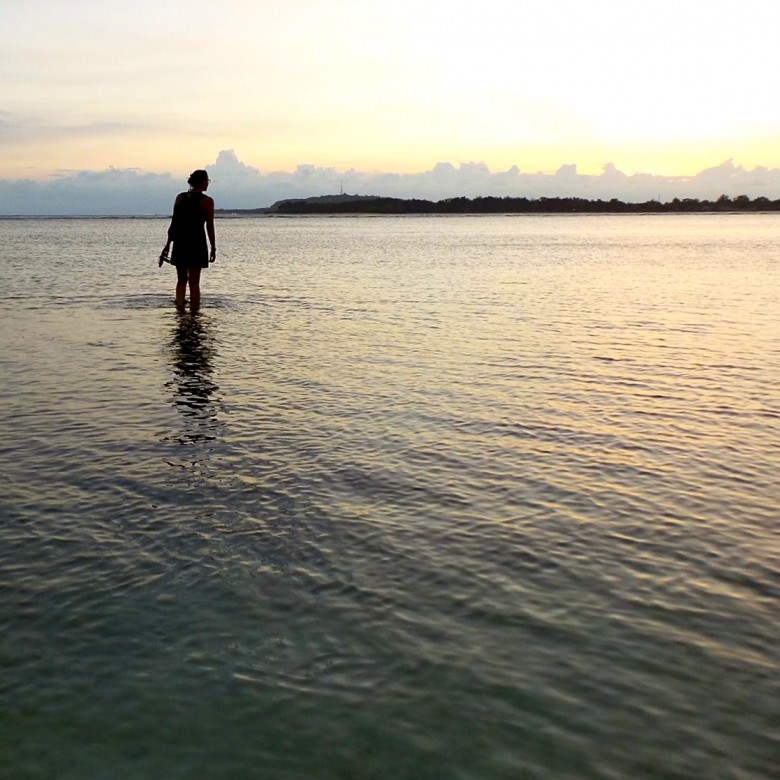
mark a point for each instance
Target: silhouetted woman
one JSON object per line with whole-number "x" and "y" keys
{"x": 191, "y": 211}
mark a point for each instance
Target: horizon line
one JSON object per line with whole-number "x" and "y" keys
{"x": 346, "y": 198}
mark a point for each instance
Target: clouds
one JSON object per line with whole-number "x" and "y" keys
{"x": 110, "y": 192}
{"x": 237, "y": 185}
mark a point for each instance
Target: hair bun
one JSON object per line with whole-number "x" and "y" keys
{"x": 197, "y": 177}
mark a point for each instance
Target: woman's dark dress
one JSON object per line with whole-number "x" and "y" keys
{"x": 187, "y": 231}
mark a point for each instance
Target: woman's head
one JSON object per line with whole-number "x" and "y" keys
{"x": 198, "y": 179}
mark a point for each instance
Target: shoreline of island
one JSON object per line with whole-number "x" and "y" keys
{"x": 344, "y": 204}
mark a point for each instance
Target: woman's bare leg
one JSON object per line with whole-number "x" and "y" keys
{"x": 194, "y": 280}
{"x": 181, "y": 285}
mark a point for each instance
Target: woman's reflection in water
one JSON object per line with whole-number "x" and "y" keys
{"x": 193, "y": 350}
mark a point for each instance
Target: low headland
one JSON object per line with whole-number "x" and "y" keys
{"x": 370, "y": 204}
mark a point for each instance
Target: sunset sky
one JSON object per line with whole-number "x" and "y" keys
{"x": 388, "y": 85}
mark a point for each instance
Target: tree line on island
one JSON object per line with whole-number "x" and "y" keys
{"x": 369, "y": 204}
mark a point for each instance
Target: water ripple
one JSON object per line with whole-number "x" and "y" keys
{"x": 406, "y": 498}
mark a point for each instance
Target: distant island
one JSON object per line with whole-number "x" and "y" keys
{"x": 371, "y": 204}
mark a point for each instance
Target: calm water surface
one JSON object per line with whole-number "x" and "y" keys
{"x": 408, "y": 498}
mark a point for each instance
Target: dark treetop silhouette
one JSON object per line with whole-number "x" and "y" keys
{"x": 363, "y": 204}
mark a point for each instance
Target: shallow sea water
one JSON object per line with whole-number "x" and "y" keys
{"x": 451, "y": 498}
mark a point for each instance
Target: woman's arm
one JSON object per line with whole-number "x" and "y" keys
{"x": 170, "y": 227}
{"x": 166, "y": 248}
{"x": 210, "y": 228}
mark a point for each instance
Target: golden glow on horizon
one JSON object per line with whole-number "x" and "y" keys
{"x": 392, "y": 86}
{"x": 159, "y": 156}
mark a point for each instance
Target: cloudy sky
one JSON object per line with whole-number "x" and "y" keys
{"x": 110, "y": 94}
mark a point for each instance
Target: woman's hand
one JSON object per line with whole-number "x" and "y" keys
{"x": 213, "y": 256}
{"x": 164, "y": 254}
